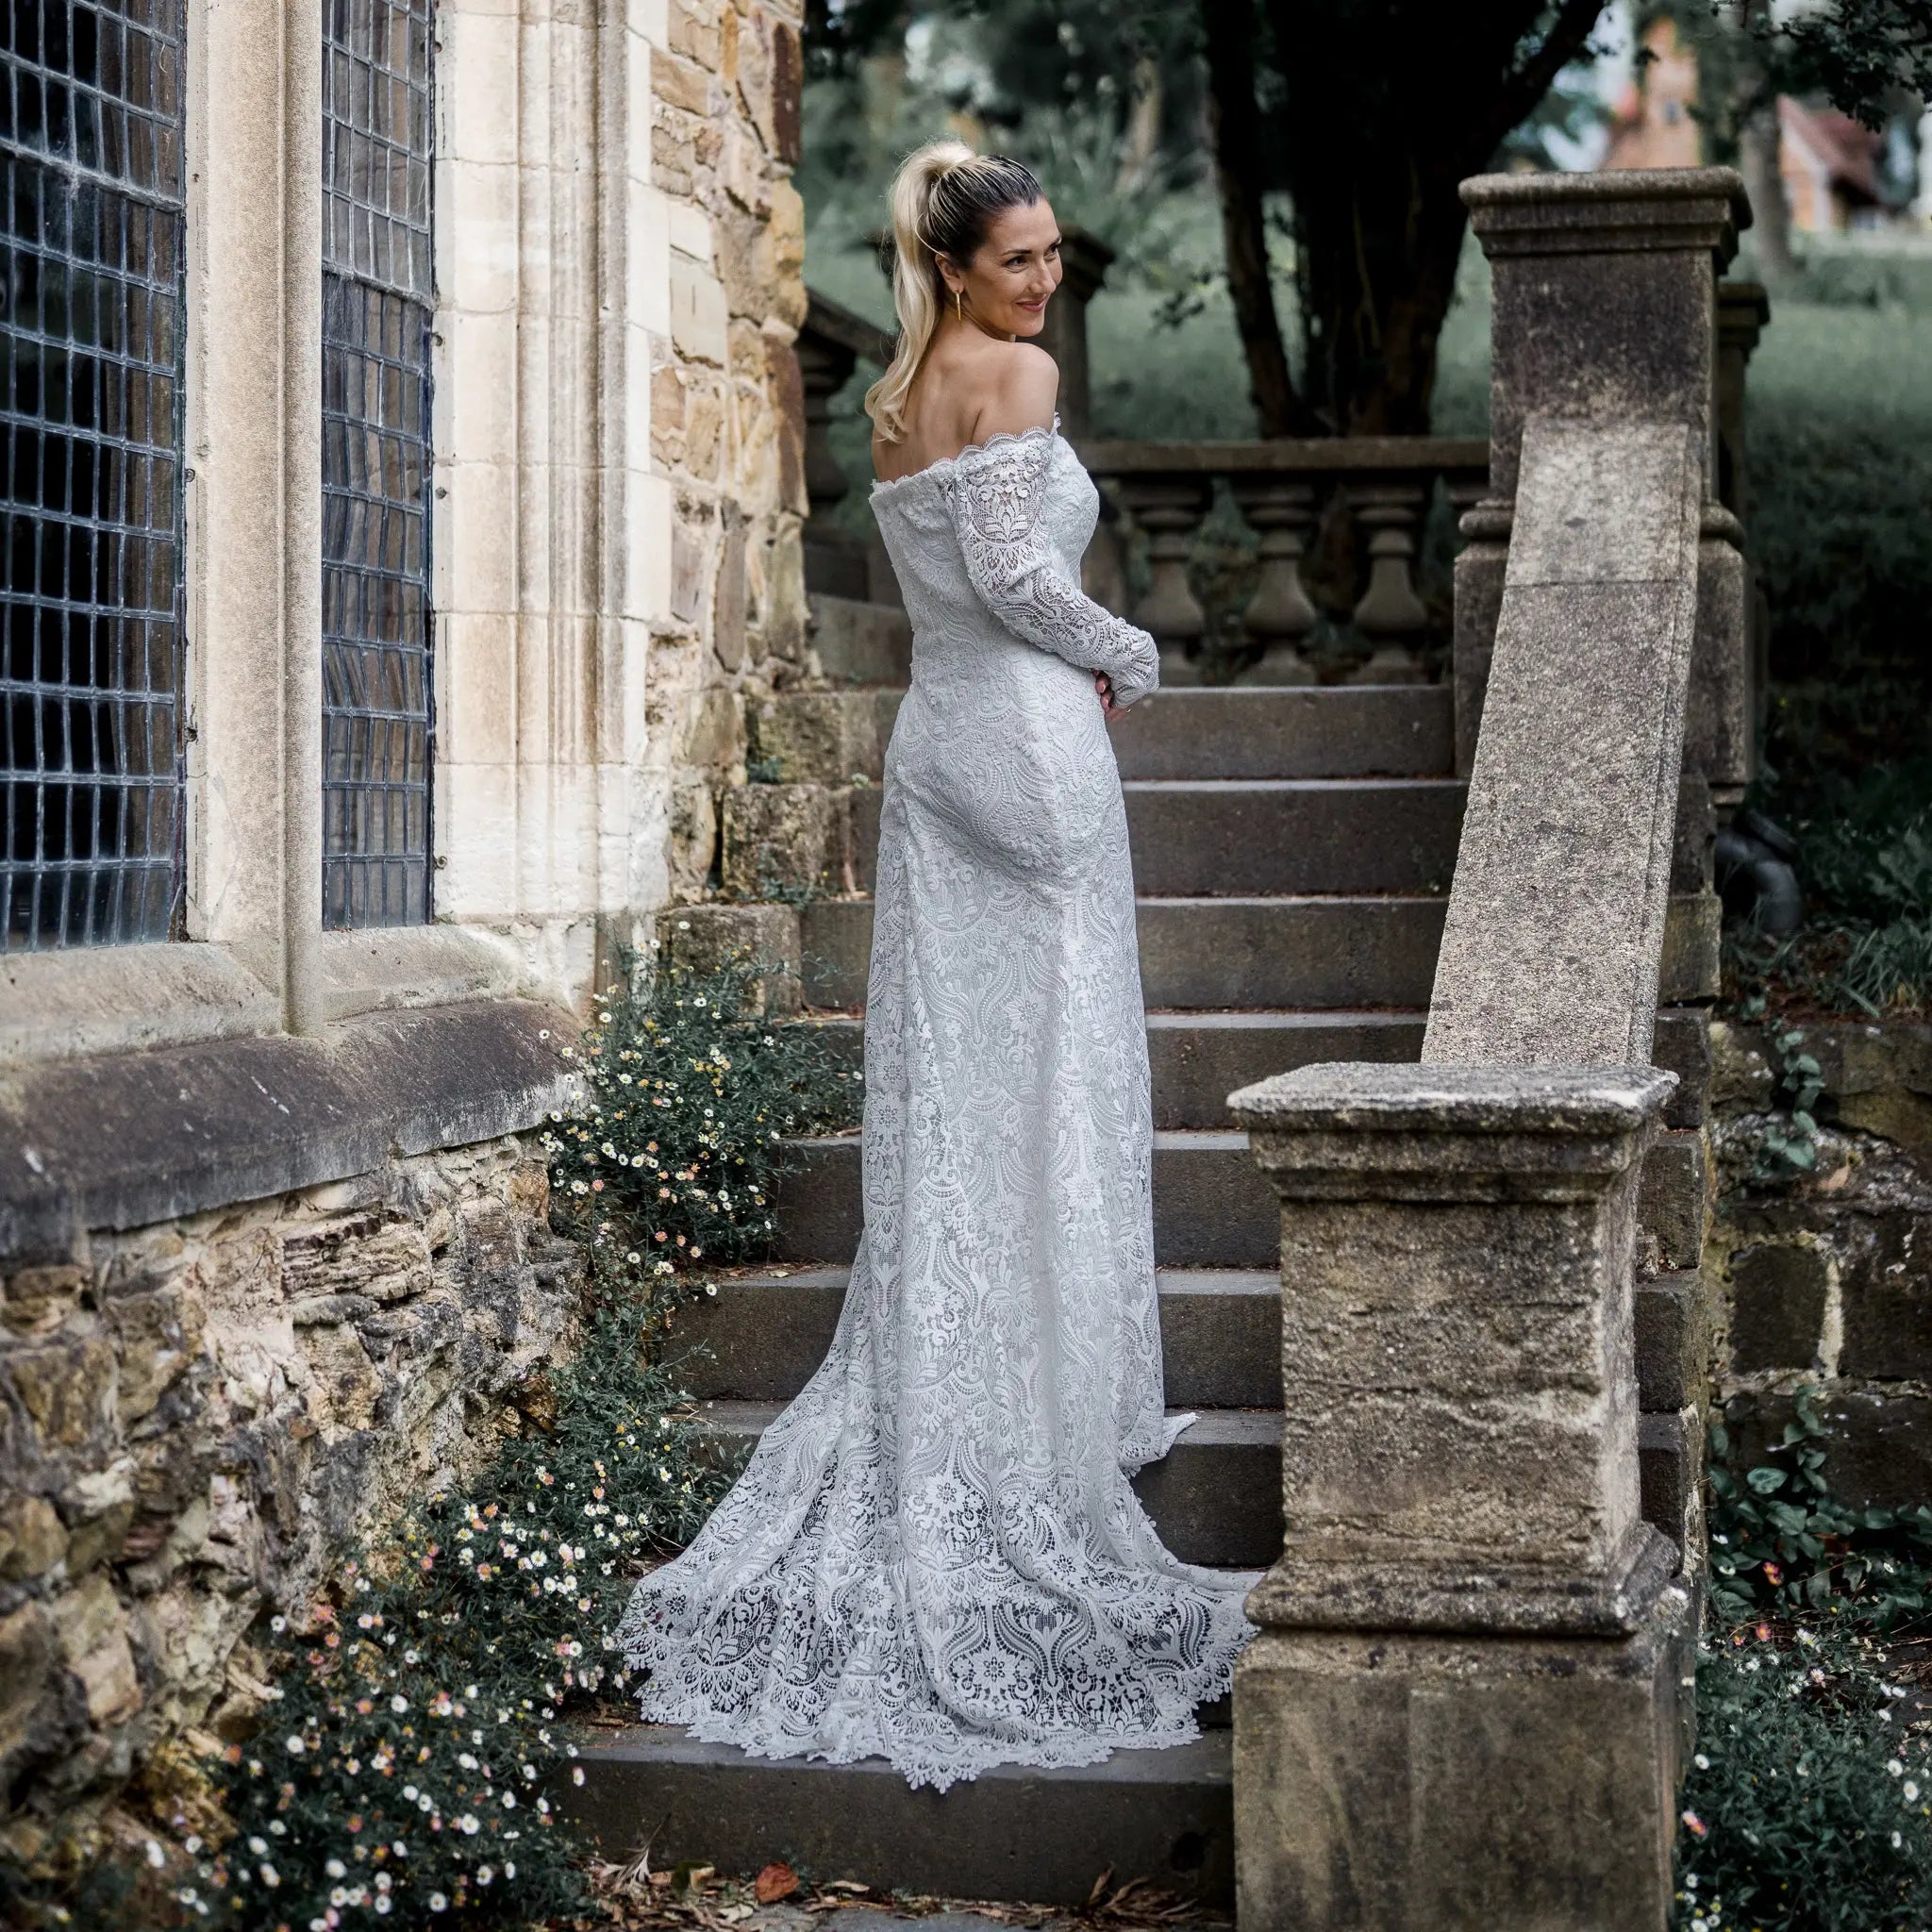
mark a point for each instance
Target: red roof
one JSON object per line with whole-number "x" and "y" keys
{"x": 1847, "y": 151}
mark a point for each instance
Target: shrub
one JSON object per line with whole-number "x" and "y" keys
{"x": 1809, "y": 1805}
{"x": 1782, "y": 1545}
{"x": 689, "y": 1094}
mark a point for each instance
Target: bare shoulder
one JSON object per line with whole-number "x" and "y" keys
{"x": 1022, "y": 384}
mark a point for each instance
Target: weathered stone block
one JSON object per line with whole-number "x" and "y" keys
{"x": 66, "y": 1390}
{"x": 820, "y": 737}
{"x": 32, "y": 1537}
{"x": 1693, "y": 938}
{"x": 38, "y": 1300}
{"x": 1778, "y": 1294}
{"x": 703, "y": 938}
{"x": 1386, "y": 1782}
{"x": 781, "y": 836}
{"x": 1887, "y": 1283}
{"x": 1674, "y": 1317}
{"x": 1669, "y": 1451}
{"x": 1681, "y": 1045}
{"x": 1459, "y": 1396}
{"x": 1552, "y": 940}
{"x": 1674, "y": 1203}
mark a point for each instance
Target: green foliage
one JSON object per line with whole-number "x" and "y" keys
{"x": 1788, "y": 1143}
{"x": 1808, "y": 1805}
{"x": 1807, "y": 1808}
{"x": 688, "y": 1094}
{"x": 1781, "y": 1544}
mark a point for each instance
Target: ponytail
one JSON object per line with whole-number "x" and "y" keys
{"x": 943, "y": 200}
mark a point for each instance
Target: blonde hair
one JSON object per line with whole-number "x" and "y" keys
{"x": 943, "y": 200}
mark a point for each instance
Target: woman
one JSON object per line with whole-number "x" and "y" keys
{"x": 935, "y": 1555}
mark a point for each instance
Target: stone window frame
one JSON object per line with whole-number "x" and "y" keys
{"x": 540, "y": 629}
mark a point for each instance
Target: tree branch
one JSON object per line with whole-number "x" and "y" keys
{"x": 1521, "y": 91}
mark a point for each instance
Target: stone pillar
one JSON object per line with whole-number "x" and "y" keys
{"x": 830, "y": 347}
{"x": 1466, "y": 1703}
{"x": 1742, "y": 311}
{"x": 1605, "y": 312}
{"x": 1083, "y": 263}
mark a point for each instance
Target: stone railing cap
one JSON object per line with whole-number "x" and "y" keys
{"x": 1378, "y": 1097}
{"x": 847, "y": 329}
{"x": 1621, "y": 211}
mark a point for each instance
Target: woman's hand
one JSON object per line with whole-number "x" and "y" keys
{"x": 1109, "y": 709}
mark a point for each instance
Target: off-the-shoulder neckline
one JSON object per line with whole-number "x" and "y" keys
{"x": 882, "y": 484}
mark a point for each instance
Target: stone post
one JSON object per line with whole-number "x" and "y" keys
{"x": 1084, "y": 257}
{"x": 1465, "y": 1707}
{"x": 1604, "y": 311}
{"x": 830, "y": 346}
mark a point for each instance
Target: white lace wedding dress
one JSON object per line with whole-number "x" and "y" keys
{"x": 935, "y": 1555}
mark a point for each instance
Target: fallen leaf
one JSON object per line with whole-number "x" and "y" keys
{"x": 776, "y": 1881}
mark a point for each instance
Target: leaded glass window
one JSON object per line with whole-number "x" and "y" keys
{"x": 91, "y": 365}
{"x": 376, "y": 462}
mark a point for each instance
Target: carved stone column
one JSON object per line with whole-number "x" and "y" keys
{"x": 1282, "y": 512}
{"x": 1169, "y": 510}
{"x": 1084, "y": 259}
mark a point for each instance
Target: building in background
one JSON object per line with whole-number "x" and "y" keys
{"x": 403, "y": 485}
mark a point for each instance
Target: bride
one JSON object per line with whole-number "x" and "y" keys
{"x": 935, "y": 1555}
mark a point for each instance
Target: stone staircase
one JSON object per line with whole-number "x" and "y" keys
{"x": 1292, "y": 851}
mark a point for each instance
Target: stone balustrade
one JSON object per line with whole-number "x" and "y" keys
{"x": 1287, "y": 492}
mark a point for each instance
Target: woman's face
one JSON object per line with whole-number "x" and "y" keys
{"x": 1012, "y": 276}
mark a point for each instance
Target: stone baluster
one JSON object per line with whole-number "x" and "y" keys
{"x": 1390, "y": 614}
{"x": 1281, "y": 511}
{"x": 1169, "y": 510}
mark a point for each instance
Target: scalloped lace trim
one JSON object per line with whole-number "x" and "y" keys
{"x": 884, "y": 485}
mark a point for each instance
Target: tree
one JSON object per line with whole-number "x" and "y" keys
{"x": 1381, "y": 108}
{"x": 1368, "y": 115}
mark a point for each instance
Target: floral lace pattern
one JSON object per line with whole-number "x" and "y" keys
{"x": 935, "y": 1555}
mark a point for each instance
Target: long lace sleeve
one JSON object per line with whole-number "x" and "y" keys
{"x": 996, "y": 506}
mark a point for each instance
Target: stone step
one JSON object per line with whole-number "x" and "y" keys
{"x": 1010, "y": 1833}
{"x": 1234, "y": 732}
{"x": 1238, "y": 837}
{"x": 1283, "y": 731}
{"x": 862, "y": 643}
{"x": 1198, "y": 1059}
{"x": 763, "y": 1335}
{"x": 1215, "y": 1496}
{"x": 1211, "y": 1206}
{"x": 1318, "y": 952}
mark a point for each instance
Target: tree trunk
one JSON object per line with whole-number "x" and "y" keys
{"x": 1238, "y": 167}
{"x": 1390, "y": 105}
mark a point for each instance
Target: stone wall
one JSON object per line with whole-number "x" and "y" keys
{"x": 196, "y": 1418}
{"x": 1830, "y": 1272}
{"x": 727, "y": 403}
